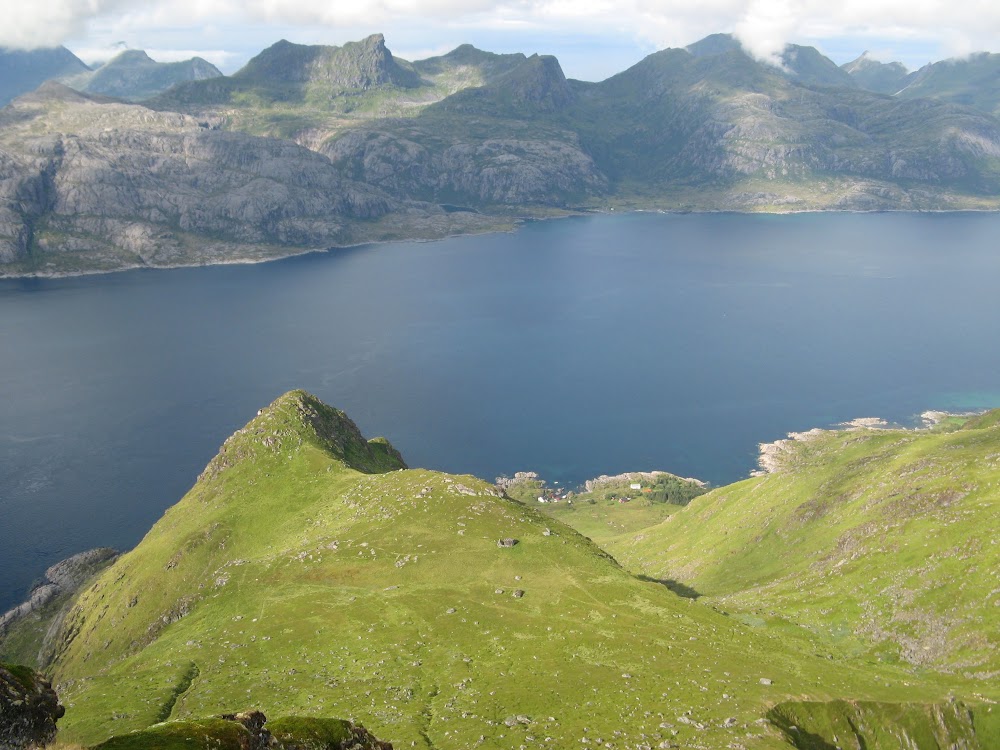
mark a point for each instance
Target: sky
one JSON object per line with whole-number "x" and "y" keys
{"x": 593, "y": 39}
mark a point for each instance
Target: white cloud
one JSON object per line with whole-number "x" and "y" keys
{"x": 766, "y": 27}
{"x": 48, "y": 23}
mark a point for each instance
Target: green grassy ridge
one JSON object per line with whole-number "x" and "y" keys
{"x": 880, "y": 541}
{"x": 291, "y": 582}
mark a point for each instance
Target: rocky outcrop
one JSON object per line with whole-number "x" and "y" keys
{"x": 29, "y": 709}
{"x": 298, "y": 417}
{"x": 354, "y": 66}
{"x": 106, "y": 184}
{"x": 872, "y": 75}
{"x": 509, "y": 171}
{"x": 250, "y": 730}
{"x": 520, "y": 477}
{"x": 63, "y": 578}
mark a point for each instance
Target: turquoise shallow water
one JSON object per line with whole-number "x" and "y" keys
{"x": 573, "y": 348}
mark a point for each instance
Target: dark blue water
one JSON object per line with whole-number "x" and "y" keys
{"x": 573, "y": 348}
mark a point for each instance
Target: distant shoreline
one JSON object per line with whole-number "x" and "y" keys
{"x": 517, "y": 221}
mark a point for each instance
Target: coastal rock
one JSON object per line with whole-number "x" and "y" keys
{"x": 29, "y": 709}
{"x": 773, "y": 457}
{"x": 520, "y": 477}
{"x": 64, "y": 577}
{"x": 633, "y": 476}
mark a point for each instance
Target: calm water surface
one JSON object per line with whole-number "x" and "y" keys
{"x": 573, "y": 348}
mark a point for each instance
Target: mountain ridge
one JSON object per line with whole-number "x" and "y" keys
{"x": 472, "y": 141}
{"x": 133, "y": 75}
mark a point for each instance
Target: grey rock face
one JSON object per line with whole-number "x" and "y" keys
{"x": 499, "y": 170}
{"x": 63, "y": 577}
{"x": 133, "y": 186}
{"x": 29, "y": 709}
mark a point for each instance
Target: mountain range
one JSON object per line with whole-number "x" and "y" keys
{"x": 847, "y": 599}
{"x": 467, "y": 141}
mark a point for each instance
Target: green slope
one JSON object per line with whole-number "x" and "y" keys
{"x": 297, "y": 579}
{"x": 882, "y": 542}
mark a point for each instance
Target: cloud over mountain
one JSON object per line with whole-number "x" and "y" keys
{"x": 763, "y": 26}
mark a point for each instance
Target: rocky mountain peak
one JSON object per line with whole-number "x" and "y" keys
{"x": 298, "y": 418}
{"x": 353, "y": 66}
{"x": 538, "y": 82}
{"x": 873, "y": 75}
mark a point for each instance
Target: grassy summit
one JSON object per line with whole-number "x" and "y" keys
{"x": 309, "y": 574}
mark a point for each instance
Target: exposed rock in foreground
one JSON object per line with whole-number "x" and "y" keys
{"x": 29, "y": 709}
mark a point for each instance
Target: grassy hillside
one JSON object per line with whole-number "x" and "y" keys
{"x": 307, "y": 573}
{"x": 883, "y": 542}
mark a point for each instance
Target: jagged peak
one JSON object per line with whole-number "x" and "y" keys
{"x": 373, "y": 40}
{"x": 354, "y": 65}
{"x": 867, "y": 60}
{"x": 539, "y": 80}
{"x": 131, "y": 57}
{"x": 298, "y": 418}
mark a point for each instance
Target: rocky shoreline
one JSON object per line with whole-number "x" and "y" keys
{"x": 772, "y": 456}
{"x": 65, "y": 577}
{"x": 516, "y": 222}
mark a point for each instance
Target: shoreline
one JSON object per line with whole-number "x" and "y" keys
{"x": 770, "y": 455}
{"x": 518, "y": 223}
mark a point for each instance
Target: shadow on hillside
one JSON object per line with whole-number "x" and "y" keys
{"x": 676, "y": 586}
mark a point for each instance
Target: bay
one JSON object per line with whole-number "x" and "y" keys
{"x": 573, "y": 348}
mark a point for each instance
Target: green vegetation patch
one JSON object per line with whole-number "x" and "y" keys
{"x": 310, "y": 733}
{"x": 199, "y": 734}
